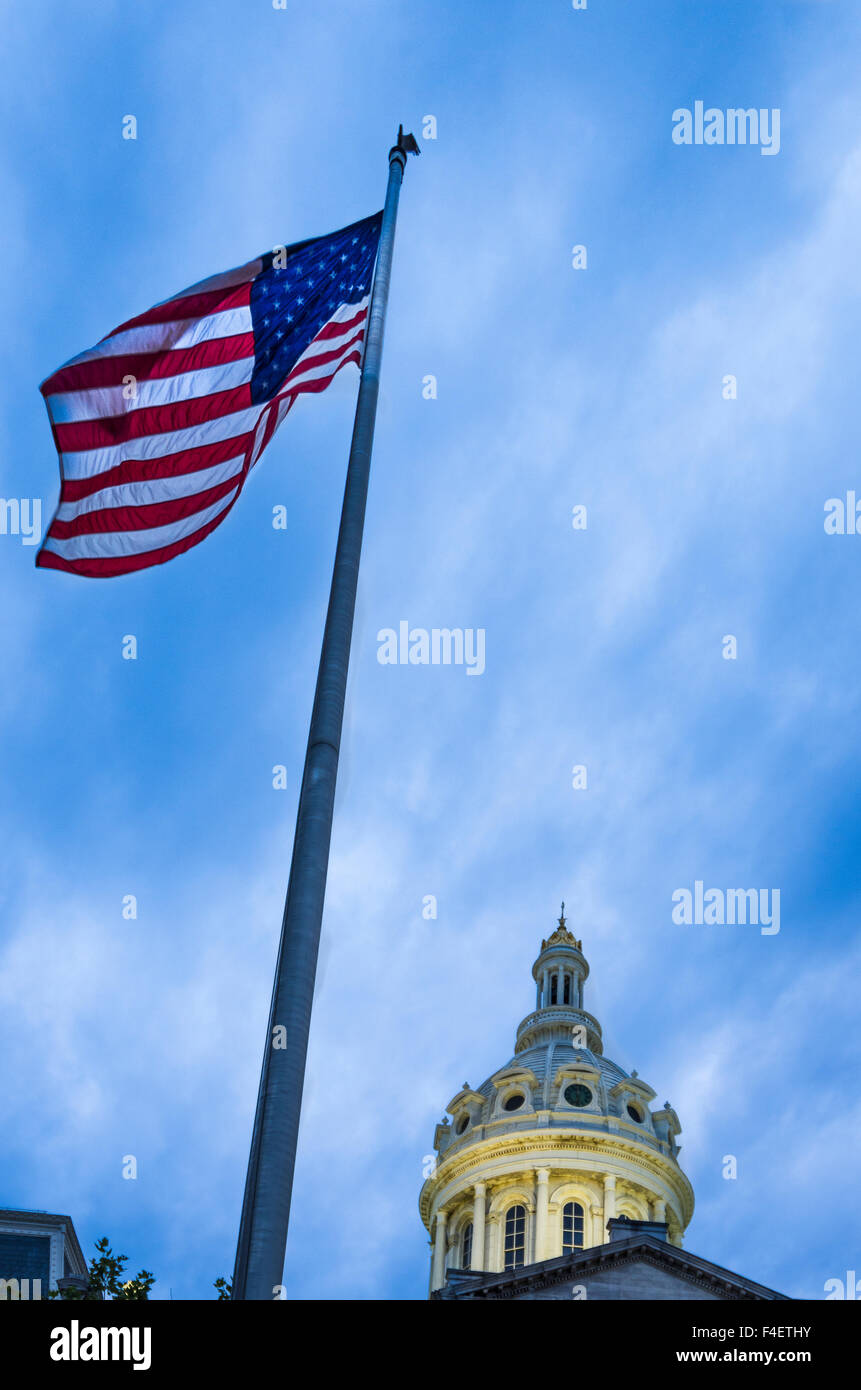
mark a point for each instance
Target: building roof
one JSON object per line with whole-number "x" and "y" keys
{"x": 546, "y": 1058}
{"x": 21, "y": 1217}
{"x": 621, "y": 1254}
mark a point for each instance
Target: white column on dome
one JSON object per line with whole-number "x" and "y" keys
{"x": 597, "y": 1230}
{"x": 478, "y": 1209}
{"x": 541, "y": 1199}
{"x": 439, "y": 1251}
{"x": 494, "y": 1254}
{"x": 660, "y": 1210}
{"x": 609, "y": 1201}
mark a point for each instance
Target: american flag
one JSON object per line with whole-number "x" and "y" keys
{"x": 158, "y": 426}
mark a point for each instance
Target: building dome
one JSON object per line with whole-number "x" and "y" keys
{"x": 535, "y": 1161}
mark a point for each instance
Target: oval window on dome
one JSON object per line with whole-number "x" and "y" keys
{"x": 578, "y": 1094}
{"x": 462, "y": 1123}
{"x": 513, "y": 1103}
{"x": 635, "y": 1113}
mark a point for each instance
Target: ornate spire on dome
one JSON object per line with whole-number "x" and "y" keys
{"x": 562, "y": 936}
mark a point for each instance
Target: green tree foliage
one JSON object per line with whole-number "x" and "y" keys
{"x": 106, "y": 1279}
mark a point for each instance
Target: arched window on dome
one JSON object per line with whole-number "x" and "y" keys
{"x": 554, "y": 985}
{"x": 466, "y": 1247}
{"x": 566, "y": 990}
{"x": 515, "y": 1237}
{"x": 573, "y": 1223}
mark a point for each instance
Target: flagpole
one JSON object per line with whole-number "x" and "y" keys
{"x": 269, "y": 1181}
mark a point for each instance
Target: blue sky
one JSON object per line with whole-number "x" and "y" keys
{"x": 556, "y": 387}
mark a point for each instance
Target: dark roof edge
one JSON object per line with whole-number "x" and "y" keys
{"x": 597, "y": 1256}
{"x": 48, "y": 1218}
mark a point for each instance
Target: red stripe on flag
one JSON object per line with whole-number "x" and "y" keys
{"x": 104, "y": 431}
{"x": 192, "y": 306}
{"x": 143, "y": 517}
{"x": 107, "y": 568}
{"x": 149, "y": 366}
{"x": 144, "y": 470}
{"x": 308, "y": 361}
{"x": 320, "y": 383}
{"x": 272, "y": 422}
{"x": 82, "y": 435}
{"x": 336, "y": 329}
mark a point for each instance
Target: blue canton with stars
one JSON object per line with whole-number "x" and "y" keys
{"x": 291, "y": 302}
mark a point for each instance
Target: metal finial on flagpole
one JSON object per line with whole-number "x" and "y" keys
{"x": 269, "y": 1182}
{"x": 407, "y": 144}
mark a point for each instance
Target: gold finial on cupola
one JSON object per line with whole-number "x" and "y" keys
{"x": 562, "y": 936}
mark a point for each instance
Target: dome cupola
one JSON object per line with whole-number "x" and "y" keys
{"x": 560, "y": 972}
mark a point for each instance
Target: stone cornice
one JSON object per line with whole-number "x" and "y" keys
{"x": 516, "y": 1072}
{"x": 575, "y": 1071}
{"x": 557, "y": 1019}
{"x": 531, "y": 1144}
{"x": 635, "y": 1086}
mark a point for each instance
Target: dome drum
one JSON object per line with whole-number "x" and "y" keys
{"x": 544, "y": 1183}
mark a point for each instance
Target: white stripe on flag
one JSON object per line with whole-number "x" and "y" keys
{"x": 109, "y": 401}
{"x": 225, "y": 281}
{"x": 90, "y": 462}
{"x": 142, "y": 494}
{"x": 310, "y": 371}
{"x": 345, "y": 312}
{"x": 162, "y": 337}
{"x": 104, "y": 545}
